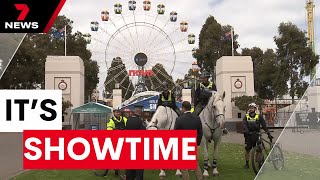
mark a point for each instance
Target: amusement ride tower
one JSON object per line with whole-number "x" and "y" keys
{"x": 310, "y": 18}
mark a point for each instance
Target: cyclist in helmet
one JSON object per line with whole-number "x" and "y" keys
{"x": 203, "y": 92}
{"x": 168, "y": 99}
{"x": 252, "y": 122}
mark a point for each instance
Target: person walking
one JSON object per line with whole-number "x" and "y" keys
{"x": 135, "y": 123}
{"x": 190, "y": 121}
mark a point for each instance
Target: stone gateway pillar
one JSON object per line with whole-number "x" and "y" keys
{"x": 234, "y": 75}
{"x": 67, "y": 74}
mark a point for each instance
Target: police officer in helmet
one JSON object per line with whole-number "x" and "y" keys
{"x": 117, "y": 122}
{"x": 203, "y": 92}
{"x": 168, "y": 99}
{"x": 252, "y": 122}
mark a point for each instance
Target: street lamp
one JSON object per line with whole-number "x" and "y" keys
{"x": 195, "y": 69}
{"x": 186, "y": 85}
{"x": 117, "y": 85}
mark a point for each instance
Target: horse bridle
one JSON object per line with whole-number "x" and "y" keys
{"x": 211, "y": 129}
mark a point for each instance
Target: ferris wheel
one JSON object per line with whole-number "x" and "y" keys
{"x": 146, "y": 39}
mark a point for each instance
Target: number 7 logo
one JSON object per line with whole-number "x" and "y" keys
{"x": 24, "y": 11}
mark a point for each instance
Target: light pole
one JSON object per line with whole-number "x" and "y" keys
{"x": 195, "y": 70}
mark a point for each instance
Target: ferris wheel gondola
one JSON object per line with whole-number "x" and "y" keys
{"x": 132, "y": 5}
{"x": 94, "y": 26}
{"x": 161, "y": 9}
{"x": 191, "y": 38}
{"x": 118, "y": 8}
{"x": 87, "y": 37}
{"x": 105, "y": 16}
{"x": 146, "y": 5}
{"x": 173, "y": 16}
{"x": 184, "y": 26}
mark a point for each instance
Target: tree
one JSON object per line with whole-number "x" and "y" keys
{"x": 65, "y": 106}
{"x": 26, "y": 71}
{"x": 118, "y": 73}
{"x": 266, "y": 71}
{"x": 213, "y": 44}
{"x": 295, "y": 58}
{"x": 159, "y": 76}
{"x": 242, "y": 102}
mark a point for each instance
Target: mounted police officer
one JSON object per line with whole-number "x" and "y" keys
{"x": 203, "y": 92}
{"x": 252, "y": 122}
{"x": 117, "y": 122}
{"x": 168, "y": 99}
{"x": 135, "y": 123}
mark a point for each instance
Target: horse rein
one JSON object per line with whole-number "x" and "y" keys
{"x": 211, "y": 129}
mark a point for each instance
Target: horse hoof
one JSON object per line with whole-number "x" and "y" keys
{"x": 215, "y": 172}
{"x": 205, "y": 173}
{"x": 162, "y": 174}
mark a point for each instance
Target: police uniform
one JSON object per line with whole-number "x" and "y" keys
{"x": 117, "y": 124}
{"x": 252, "y": 123}
{"x": 169, "y": 101}
{"x": 202, "y": 96}
{"x": 135, "y": 123}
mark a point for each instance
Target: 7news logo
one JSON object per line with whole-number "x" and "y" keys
{"x": 20, "y": 24}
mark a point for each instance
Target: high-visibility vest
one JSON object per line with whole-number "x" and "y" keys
{"x": 254, "y": 119}
{"x": 207, "y": 88}
{"x": 169, "y": 98}
{"x": 114, "y": 123}
{"x": 192, "y": 109}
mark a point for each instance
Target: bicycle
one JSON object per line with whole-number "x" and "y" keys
{"x": 259, "y": 152}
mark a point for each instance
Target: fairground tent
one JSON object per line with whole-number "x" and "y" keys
{"x": 92, "y": 116}
{"x": 149, "y": 104}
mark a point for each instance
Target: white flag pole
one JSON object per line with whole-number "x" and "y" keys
{"x": 232, "y": 48}
{"x": 65, "y": 40}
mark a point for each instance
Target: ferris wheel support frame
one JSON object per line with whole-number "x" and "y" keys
{"x": 144, "y": 24}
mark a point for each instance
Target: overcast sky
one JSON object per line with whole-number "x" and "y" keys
{"x": 255, "y": 22}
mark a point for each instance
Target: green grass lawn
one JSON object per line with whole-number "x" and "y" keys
{"x": 230, "y": 166}
{"x": 296, "y": 167}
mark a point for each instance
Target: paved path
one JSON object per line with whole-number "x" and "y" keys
{"x": 306, "y": 143}
{"x": 238, "y": 138}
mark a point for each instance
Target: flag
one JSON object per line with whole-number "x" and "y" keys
{"x": 227, "y": 36}
{"x": 58, "y": 33}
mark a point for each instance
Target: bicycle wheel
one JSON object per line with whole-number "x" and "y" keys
{"x": 100, "y": 172}
{"x": 257, "y": 159}
{"x": 277, "y": 158}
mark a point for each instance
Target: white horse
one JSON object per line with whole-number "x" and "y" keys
{"x": 212, "y": 118}
{"x": 163, "y": 119}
